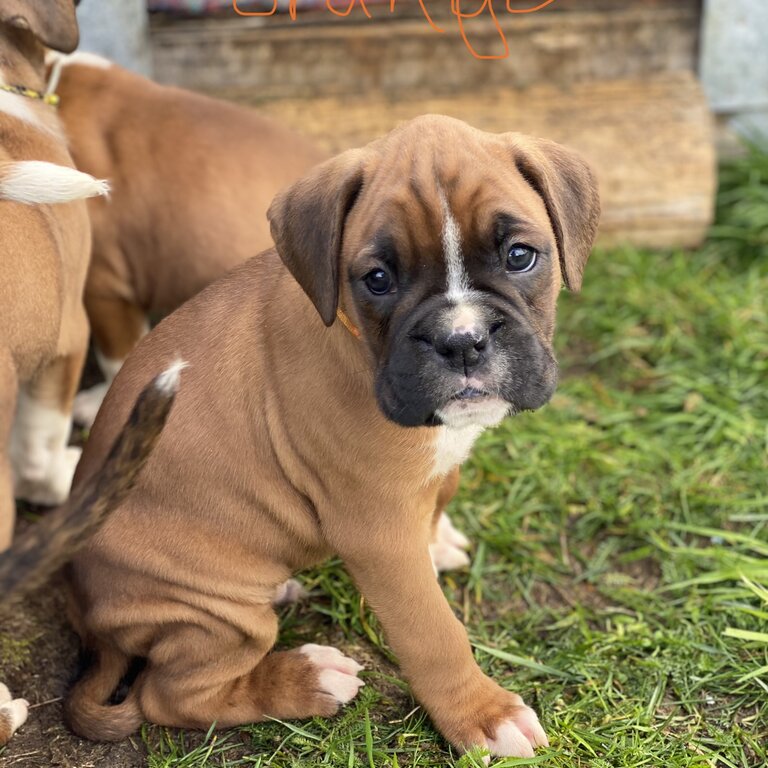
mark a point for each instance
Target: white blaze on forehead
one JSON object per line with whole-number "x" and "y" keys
{"x": 458, "y": 281}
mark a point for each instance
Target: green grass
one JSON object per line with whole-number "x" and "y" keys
{"x": 621, "y": 537}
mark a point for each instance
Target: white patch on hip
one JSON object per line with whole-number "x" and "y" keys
{"x": 42, "y": 463}
{"x": 458, "y": 281}
{"x": 34, "y": 182}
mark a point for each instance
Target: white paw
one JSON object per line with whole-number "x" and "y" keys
{"x": 448, "y": 549}
{"x": 13, "y": 714}
{"x": 87, "y": 404}
{"x": 53, "y": 487}
{"x": 447, "y": 532}
{"x": 448, "y": 558}
{"x": 288, "y": 593}
{"x": 518, "y": 736}
{"x": 337, "y": 673}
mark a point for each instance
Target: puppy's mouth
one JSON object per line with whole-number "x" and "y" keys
{"x": 471, "y": 393}
{"x": 472, "y": 405}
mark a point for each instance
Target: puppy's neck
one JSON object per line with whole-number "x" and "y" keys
{"x": 22, "y": 63}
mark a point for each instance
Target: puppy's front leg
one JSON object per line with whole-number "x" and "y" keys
{"x": 393, "y": 569}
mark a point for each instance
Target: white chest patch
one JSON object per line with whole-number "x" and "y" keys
{"x": 452, "y": 447}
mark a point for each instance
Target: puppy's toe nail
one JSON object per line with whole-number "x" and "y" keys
{"x": 337, "y": 673}
{"x": 341, "y": 686}
{"x": 529, "y": 725}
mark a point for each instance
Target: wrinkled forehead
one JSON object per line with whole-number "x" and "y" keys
{"x": 425, "y": 193}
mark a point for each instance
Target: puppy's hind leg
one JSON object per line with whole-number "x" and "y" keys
{"x": 211, "y": 672}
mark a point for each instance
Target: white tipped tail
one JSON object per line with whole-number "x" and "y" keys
{"x": 168, "y": 381}
{"x": 35, "y": 182}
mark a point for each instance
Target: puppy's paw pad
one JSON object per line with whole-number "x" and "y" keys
{"x": 518, "y": 735}
{"x": 448, "y": 533}
{"x": 87, "y": 404}
{"x": 336, "y": 673}
{"x": 13, "y": 714}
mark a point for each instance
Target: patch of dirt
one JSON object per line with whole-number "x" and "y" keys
{"x": 41, "y": 672}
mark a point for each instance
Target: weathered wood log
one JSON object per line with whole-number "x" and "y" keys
{"x": 650, "y": 141}
{"x": 612, "y": 79}
{"x": 400, "y": 55}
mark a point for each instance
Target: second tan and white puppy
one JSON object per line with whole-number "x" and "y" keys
{"x": 442, "y": 250}
{"x": 191, "y": 181}
{"x": 44, "y": 253}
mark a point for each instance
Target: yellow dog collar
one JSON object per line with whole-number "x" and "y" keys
{"x": 51, "y": 99}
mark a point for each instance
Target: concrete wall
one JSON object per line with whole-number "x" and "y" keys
{"x": 117, "y": 29}
{"x": 734, "y": 64}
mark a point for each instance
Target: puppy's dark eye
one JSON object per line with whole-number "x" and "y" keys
{"x": 378, "y": 282}
{"x": 521, "y": 258}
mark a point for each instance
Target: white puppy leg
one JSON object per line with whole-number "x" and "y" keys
{"x": 43, "y": 464}
{"x": 88, "y": 402}
{"x": 448, "y": 549}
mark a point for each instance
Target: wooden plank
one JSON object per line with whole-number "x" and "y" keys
{"x": 400, "y": 56}
{"x": 649, "y": 140}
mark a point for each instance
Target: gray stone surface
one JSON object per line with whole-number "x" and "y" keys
{"x": 117, "y": 29}
{"x": 734, "y": 63}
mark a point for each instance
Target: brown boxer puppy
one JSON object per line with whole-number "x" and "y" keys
{"x": 191, "y": 180}
{"x": 442, "y": 250}
{"x": 44, "y": 251}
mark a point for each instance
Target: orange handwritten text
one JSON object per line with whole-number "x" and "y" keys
{"x": 463, "y": 17}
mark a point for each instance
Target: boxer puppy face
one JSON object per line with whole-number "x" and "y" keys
{"x": 447, "y": 247}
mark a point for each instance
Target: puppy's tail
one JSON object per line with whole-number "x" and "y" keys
{"x": 45, "y": 547}
{"x": 35, "y": 182}
{"x": 86, "y": 709}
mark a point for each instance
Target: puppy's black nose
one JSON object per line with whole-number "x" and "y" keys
{"x": 463, "y": 351}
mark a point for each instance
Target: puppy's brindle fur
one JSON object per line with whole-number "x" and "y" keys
{"x": 294, "y": 440}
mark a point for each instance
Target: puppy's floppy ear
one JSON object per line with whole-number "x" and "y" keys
{"x": 568, "y": 187}
{"x": 307, "y": 224}
{"x": 52, "y": 22}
